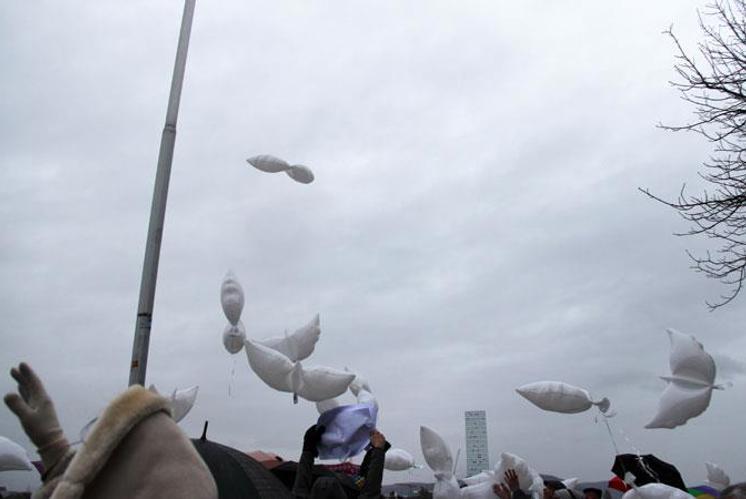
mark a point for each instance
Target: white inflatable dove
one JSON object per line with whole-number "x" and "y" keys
{"x": 13, "y": 457}
{"x": 717, "y": 478}
{"x": 557, "y": 396}
{"x": 272, "y": 164}
{"x": 327, "y": 405}
{"x": 438, "y": 458}
{"x": 656, "y": 491}
{"x": 276, "y": 370}
{"x": 480, "y": 486}
{"x": 231, "y": 298}
{"x": 300, "y": 344}
{"x": 690, "y": 384}
{"x": 182, "y": 402}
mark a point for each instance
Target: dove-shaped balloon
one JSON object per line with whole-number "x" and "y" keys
{"x": 557, "y": 396}
{"x": 690, "y": 384}
{"x": 327, "y": 405}
{"x": 438, "y": 458}
{"x": 300, "y": 344}
{"x": 271, "y": 164}
{"x": 717, "y": 478}
{"x": 656, "y": 491}
{"x": 13, "y": 456}
{"x": 398, "y": 460}
{"x": 279, "y": 372}
{"x": 231, "y": 298}
{"x": 234, "y": 337}
{"x": 480, "y": 486}
{"x": 182, "y": 402}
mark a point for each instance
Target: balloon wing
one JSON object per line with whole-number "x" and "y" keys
{"x": 689, "y": 360}
{"x": 435, "y": 451}
{"x": 300, "y": 344}
{"x": 231, "y": 297}
{"x": 13, "y": 456}
{"x": 271, "y": 366}
{"x": 322, "y": 383}
{"x": 182, "y": 402}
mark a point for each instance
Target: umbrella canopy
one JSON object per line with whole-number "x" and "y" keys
{"x": 704, "y": 492}
{"x": 648, "y": 469}
{"x": 237, "y": 475}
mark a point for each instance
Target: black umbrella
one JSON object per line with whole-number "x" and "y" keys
{"x": 648, "y": 469}
{"x": 237, "y": 475}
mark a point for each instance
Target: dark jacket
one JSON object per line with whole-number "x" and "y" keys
{"x": 328, "y": 488}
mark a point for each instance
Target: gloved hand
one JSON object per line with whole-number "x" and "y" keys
{"x": 36, "y": 412}
{"x": 312, "y": 438}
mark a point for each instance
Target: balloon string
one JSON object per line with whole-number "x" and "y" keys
{"x": 611, "y": 434}
{"x": 230, "y": 381}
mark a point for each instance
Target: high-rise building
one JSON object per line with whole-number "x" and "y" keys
{"x": 477, "y": 451}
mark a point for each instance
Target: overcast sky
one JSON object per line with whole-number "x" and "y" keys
{"x": 475, "y": 223}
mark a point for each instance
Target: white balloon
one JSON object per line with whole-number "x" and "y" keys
{"x": 656, "y": 491}
{"x": 480, "y": 486}
{"x": 716, "y": 476}
{"x": 231, "y": 298}
{"x": 690, "y": 385}
{"x": 276, "y": 370}
{"x": 398, "y": 460}
{"x": 269, "y": 164}
{"x": 182, "y": 402}
{"x": 300, "y": 344}
{"x": 557, "y": 396}
{"x": 300, "y": 173}
{"x": 234, "y": 337}
{"x": 13, "y": 457}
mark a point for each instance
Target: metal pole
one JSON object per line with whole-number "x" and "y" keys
{"x": 158, "y": 207}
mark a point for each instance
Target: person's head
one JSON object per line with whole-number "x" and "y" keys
{"x": 327, "y": 487}
{"x": 593, "y": 493}
{"x": 552, "y": 486}
{"x": 736, "y": 491}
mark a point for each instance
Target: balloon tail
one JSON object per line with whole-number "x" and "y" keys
{"x": 295, "y": 398}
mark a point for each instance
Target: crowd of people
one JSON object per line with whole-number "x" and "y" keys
{"x": 136, "y": 451}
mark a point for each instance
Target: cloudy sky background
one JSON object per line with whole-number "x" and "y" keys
{"x": 475, "y": 223}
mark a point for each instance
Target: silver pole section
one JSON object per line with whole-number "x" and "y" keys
{"x": 158, "y": 207}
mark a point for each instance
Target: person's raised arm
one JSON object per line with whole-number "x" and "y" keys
{"x": 304, "y": 473}
{"x": 374, "y": 474}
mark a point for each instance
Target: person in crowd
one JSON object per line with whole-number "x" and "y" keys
{"x": 593, "y": 493}
{"x": 135, "y": 450}
{"x": 510, "y": 488}
{"x": 328, "y": 487}
{"x": 736, "y": 491}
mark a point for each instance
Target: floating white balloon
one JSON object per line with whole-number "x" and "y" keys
{"x": 716, "y": 476}
{"x": 272, "y": 164}
{"x": 276, "y": 370}
{"x": 300, "y": 344}
{"x": 231, "y": 298}
{"x": 13, "y": 457}
{"x": 182, "y": 402}
{"x": 480, "y": 486}
{"x": 656, "y": 491}
{"x": 234, "y": 337}
{"x": 557, "y": 396}
{"x": 690, "y": 384}
{"x": 438, "y": 458}
{"x": 398, "y": 460}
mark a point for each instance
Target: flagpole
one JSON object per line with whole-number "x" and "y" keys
{"x": 158, "y": 207}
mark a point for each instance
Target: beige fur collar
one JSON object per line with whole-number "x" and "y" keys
{"x": 122, "y": 414}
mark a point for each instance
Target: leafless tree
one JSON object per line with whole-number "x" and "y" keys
{"x": 714, "y": 86}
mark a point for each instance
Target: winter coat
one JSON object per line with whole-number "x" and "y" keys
{"x": 330, "y": 488}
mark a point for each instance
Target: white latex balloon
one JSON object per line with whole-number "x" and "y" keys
{"x": 276, "y": 370}
{"x": 231, "y": 298}
{"x": 300, "y": 344}
{"x": 557, "y": 396}
{"x": 182, "y": 402}
{"x": 398, "y": 460}
{"x": 13, "y": 457}
{"x": 656, "y": 491}
{"x": 690, "y": 384}
{"x": 269, "y": 164}
{"x": 234, "y": 337}
{"x": 300, "y": 173}
{"x": 717, "y": 478}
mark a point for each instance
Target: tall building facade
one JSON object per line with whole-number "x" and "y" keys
{"x": 477, "y": 451}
